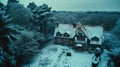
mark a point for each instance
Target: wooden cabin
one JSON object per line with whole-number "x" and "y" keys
{"x": 69, "y": 34}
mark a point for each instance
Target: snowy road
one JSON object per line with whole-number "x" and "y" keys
{"x": 54, "y": 55}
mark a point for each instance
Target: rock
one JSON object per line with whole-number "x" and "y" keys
{"x": 68, "y": 54}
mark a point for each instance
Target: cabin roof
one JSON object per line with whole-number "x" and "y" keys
{"x": 65, "y": 28}
{"x": 93, "y": 31}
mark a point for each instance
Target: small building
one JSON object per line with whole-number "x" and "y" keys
{"x": 64, "y": 34}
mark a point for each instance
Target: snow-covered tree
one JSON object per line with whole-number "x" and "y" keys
{"x": 42, "y": 14}
{"x": 4, "y": 21}
{"x": 112, "y": 43}
{"x": 22, "y": 38}
{"x": 5, "y": 40}
{"x": 116, "y": 29}
{"x": 19, "y": 14}
{"x": 1, "y": 5}
{"x": 32, "y": 5}
{"x": 13, "y": 1}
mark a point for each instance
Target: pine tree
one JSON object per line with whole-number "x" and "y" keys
{"x": 13, "y": 1}
{"x": 42, "y": 15}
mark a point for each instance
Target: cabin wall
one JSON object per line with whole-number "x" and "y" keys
{"x": 99, "y": 42}
{"x": 64, "y": 41}
{"x": 80, "y": 41}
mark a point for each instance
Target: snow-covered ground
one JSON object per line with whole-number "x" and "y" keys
{"x": 54, "y": 55}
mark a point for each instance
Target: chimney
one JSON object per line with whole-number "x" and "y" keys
{"x": 74, "y": 25}
{"x": 57, "y": 24}
{"x": 102, "y": 25}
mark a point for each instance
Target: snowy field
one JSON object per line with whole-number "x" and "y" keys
{"x": 54, "y": 55}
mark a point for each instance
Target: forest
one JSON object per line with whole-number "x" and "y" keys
{"x": 25, "y": 30}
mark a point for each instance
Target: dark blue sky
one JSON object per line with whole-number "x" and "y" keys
{"x": 78, "y": 5}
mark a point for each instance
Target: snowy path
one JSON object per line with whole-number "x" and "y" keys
{"x": 55, "y": 56}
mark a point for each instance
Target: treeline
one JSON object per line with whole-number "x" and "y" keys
{"x": 107, "y": 19}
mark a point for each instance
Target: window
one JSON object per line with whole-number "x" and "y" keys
{"x": 71, "y": 42}
{"x": 95, "y": 39}
{"x": 66, "y": 34}
{"x": 58, "y": 40}
{"x": 80, "y": 34}
{"x": 65, "y": 41}
{"x": 81, "y": 37}
{"x": 58, "y": 34}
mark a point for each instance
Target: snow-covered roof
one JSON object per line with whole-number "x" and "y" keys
{"x": 79, "y": 45}
{"x": 65, "y": 28}
{"x": 93, "y": 31}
